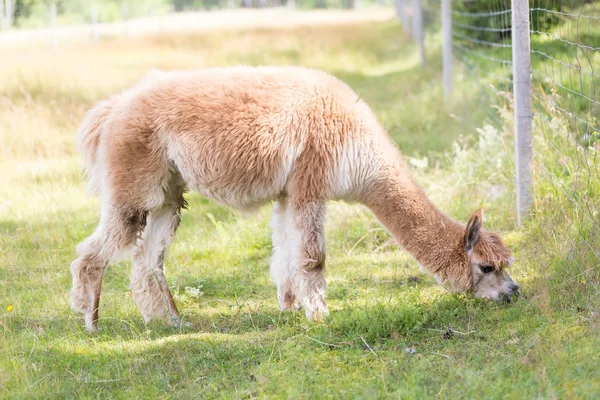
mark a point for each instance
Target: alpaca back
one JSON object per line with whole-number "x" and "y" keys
{"x": 242, "y": 135}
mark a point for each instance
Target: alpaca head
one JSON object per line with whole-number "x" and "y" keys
{"x": 488, "y": 258}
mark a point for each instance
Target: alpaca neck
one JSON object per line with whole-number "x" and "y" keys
{"x": 433, "y": 239}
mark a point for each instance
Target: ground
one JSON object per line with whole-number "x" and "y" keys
{"x": 392, "y": 333}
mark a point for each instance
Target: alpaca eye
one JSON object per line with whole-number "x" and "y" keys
{"x": 486, "y": 269}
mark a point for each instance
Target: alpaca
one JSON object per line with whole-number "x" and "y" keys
{"x": 244, "y": 137}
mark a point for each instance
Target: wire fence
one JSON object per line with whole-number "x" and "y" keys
{"x": 565, "y": 55}
{"x": 563, "y": 51}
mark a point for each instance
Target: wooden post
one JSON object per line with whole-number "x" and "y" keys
{"x": 95, "y": 33}
{"x": 403, "y": 15}
{"x": 1, "y": 14}
{"x": 418, "y": 35}
{"x": 124, "y": 18}
{"x": 447, "y": 47}
{"x": 522, "y": 108}
{"x": 53, "y": 24}
{"x": 8, "y": 13}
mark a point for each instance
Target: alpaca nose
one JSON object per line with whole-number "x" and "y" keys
{"x": 513, "y": 286}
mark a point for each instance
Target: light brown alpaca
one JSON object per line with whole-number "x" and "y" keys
{"x": 244, "y": 137}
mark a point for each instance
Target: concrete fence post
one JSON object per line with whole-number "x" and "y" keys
{"x": 95, "y": 32}
{"x": 53, "y": 24}
{"x": 522, "y": 107}
{"x": 1, "y": 14}
{"x": 418, "y": 35}
{"x": 402, "y": 15}
{"x": 8, "y": 13}
{"x": 447, "y": 47}
{"x": 125, "y": 18}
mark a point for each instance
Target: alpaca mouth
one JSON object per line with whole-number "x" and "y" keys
{"x": 508, "y": 297}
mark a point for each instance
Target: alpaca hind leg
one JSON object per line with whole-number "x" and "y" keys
{"x": 117, "y": 231}
{"x": 306, "y": 239}
{"x": 149, "y": 286}
{"x": 281, "y": 260}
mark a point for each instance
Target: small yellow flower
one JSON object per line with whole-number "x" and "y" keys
{"x": 9, "y": 308}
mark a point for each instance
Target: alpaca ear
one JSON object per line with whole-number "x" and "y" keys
{"x": 472, "y": 231}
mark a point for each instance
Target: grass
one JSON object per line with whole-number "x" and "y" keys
{"x": 240, "y": 346}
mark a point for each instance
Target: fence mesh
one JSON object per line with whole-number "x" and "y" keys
{"x": 565, "y": 39}
{"x": 565, "y": 62}
{"x": 481, "y": 43}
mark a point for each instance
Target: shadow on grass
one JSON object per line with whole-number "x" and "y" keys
{"x": 405, "y": 315}
{"x": 208, "y": 363}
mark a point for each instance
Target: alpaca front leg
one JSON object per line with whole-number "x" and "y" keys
{"x": 310, "y": 286}
{"x": 284, "y": 280}
{"x": 281, "y": 260}
{"x": 306, "y": 239}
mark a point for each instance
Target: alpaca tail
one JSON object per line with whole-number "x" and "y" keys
{"x": 88, "y": 142}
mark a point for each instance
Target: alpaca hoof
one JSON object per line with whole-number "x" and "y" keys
{"x": 79, "y": 303}
{"x": 317, "y": 312}
{"x": 289, "y": 302}
{"x": 91, "y": 326}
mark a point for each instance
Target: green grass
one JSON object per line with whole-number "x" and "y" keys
{"x": 544, "y": 345}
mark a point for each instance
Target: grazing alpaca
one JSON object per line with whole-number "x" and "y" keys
{"x": 244, "y": 137}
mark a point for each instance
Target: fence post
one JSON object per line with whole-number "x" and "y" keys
{"x": 522, "y": 108}
{"x": 447, "y": 47}
{"x": 402, "y": 15}
{"x": 124, "y": 18}
{"x": 418, "y": 35}
{"x": 95, "y": 33}
{"x": 53, "y": 23}
{"x": 8, "y": 13}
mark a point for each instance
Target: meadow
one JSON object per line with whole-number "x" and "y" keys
{"x": 392, "y": 332}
